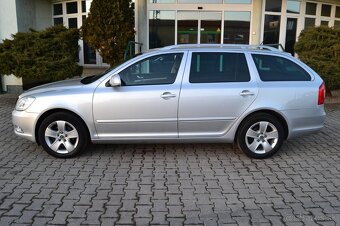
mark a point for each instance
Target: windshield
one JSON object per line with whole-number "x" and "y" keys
{"x": 92, "y": 78}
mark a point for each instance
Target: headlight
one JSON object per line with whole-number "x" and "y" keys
{"x": 24, "y": 103}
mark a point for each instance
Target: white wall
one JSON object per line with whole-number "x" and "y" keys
{"x": 141, "y": 17}
{"x": 43, "y": 14}
{"x": 8, "y": 26}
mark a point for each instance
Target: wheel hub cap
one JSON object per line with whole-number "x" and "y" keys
{"x": 261, "y": 137}
{"x": 61, "y": 136}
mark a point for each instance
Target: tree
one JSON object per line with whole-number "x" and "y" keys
{"x": 319, "y": 47}
{"x": 109, "y": 27}
{"x": 49, "y": 55}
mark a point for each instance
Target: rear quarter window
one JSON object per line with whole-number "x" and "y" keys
{"x": 275, "y": 68}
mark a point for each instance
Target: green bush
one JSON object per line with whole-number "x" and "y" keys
{"x": 50, "y": 54}
{"x": 319, "y": 47}
{"x": 109, "y": 27}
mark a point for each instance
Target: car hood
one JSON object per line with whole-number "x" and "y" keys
{"x": 54, "y": 86}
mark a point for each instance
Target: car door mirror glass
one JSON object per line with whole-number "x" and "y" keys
{"x": 115, "y": 81}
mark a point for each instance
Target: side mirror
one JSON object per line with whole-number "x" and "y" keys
{"x": 115, "y": 81}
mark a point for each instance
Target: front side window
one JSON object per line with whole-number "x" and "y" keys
{"x": 274, "y": 68}
{"x": 218, "y": 67}
{"x": 155, "y": 70}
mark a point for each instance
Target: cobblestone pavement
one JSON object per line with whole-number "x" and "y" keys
{"x": 171, "y": 184}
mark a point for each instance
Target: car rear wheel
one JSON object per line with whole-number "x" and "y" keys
{"x": 63, "y": 135}
{"x": 260, "y": 136}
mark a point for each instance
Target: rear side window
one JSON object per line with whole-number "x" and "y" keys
{"x": 218, "y": 67}
{"x": 274, "y": 68}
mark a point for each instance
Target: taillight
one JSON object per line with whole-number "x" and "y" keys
{"x": 322, "y": 94}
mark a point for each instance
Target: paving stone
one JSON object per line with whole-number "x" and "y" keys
{"x": 27, "y": 217}
{"x": 170, "y": 184}
{"x": 38, "y": 221}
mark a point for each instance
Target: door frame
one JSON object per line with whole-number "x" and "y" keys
{"x": 283, "y": 20}
{"x": 199, "y": 25}
{"x": 213, "y": 7}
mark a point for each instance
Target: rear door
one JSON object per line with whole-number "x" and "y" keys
{"x": 216, "y": 89}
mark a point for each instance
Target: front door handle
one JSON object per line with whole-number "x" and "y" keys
{"x": 247, "y": 93}
{"x": 167, "y": 95}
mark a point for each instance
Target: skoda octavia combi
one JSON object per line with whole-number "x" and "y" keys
{"x": 255, "y": 96}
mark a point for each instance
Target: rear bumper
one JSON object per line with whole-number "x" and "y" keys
{"x": 24, "y": 124}
{"x": 305, "y": 121}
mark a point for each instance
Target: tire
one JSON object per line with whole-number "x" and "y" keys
{"x": 260, "y": 136}
{"x": 63, "y": 135}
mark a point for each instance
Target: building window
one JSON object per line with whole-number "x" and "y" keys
{"x": 161, "y": 28}
{"x": 311, "y": 8}
{"x": 72, "y": 14}
{"x": 309, "y": 22}
{"x": 337, "y": 24}
{"x": 71, "y": 7}
{"x": 293, "y": 6}
{"x": 337, "y": 12}
{"x": 237, "y": 1}
{"x": 326, "y": 10}
{"x": 321, "y": 17}
{"x": 211, "y": 25}
{"x": 187, "y": 27}
{"x": 72, "y": 23}
{"x": 57, "y": 9}
{"x": 162, "y": 1}
{"x": 273, "y": 5}
{"x": 324, "y": 23}
{"x": 200, "y": 1}
{"x": 83, "y": 6}
{"x": 236, "y": 27}
{"x": 89, "y": 55}
{"x": 58, "y": 20}
{"x": 271, "y": 29}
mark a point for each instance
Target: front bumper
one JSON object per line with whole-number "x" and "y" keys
{"x": 24, "y": 124}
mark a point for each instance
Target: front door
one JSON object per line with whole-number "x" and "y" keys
{"x": 145, "y": 105}
{"x": 199, "y": 27}
{"x": 216, "y": 90}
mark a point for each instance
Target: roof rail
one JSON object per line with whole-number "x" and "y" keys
{"x": 230, "y": 46}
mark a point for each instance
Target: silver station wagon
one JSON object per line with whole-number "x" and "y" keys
{"x": 255, "y": 96}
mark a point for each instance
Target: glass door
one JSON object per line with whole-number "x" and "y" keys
{"x": 290, "y": 35}
{"x": 207, "y": 23}
{"x": 210, "y": 30}
{"x": 187, "y": 27}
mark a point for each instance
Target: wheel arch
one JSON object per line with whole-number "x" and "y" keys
{"x": 277, "y": 115}
{"x": 56, "y": 110}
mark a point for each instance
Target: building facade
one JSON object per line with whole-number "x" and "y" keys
{"x": 167, "y": 22}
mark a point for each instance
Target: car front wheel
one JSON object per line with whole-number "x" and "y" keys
{"x": 63, "y": 135}
{"x": 260, "y": 136}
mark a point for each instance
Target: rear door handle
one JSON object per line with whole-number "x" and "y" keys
{"x": 167, "y": 95}
{"x": 247, "y": 93}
